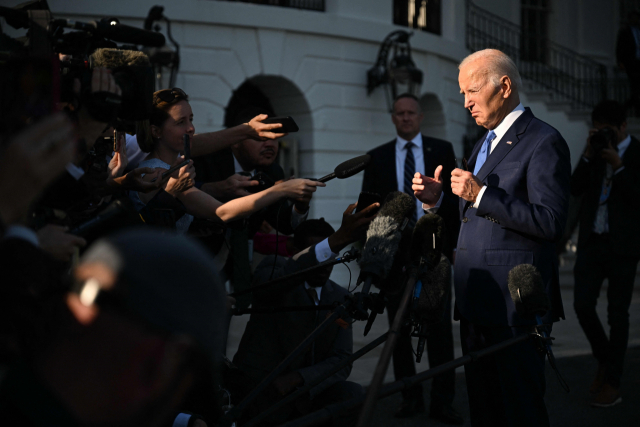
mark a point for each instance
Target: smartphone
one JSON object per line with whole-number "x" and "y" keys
{"x": 366, "y": 199}
{"x": 288, "y": 124}
{"x": 172, "y": 170}
{"x": 187, "y": 146}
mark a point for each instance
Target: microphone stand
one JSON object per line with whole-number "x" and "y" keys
{"x": 332, "y": 411}
{"x": 383, "y": 363}
{"x": 269, "y": 310}
{"x": 308, "y": 386}
{"x": 348, "y": 256}
{"x": 228, "y": 419}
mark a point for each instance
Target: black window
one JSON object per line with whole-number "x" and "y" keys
{"x": 535, "y": 26}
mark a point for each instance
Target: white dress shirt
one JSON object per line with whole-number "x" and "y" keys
{"x": 500, "y": 131}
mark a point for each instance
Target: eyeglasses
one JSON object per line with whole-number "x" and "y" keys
{"x": 170, "y": 95}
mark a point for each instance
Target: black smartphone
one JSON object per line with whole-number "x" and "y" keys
{"x": 187, "y": 146}
{"x": 288, "y": 124}
{"x": 366, "y": 199}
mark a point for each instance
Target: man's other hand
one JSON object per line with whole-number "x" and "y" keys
{"x": 611, "y": 156}
{"x": 465, "y": 184}
{"x": 286, "y": 383}
{"x": 426, "y": 189}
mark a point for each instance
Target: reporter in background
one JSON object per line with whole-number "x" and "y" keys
{"x": 171, "y": 118}
{"x": 609, "y": 242}
{"x": 269, "y": 338}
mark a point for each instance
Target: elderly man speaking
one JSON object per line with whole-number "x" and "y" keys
{"x": 513, "y": 207}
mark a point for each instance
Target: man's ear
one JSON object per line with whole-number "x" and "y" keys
{"x": 505, "y": 83}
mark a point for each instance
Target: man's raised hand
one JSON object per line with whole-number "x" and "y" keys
{"x": 465, "y": 184}
{"x": 426, "y": 189}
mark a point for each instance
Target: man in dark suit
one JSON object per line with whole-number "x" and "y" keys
{"x": 609, "y": 242}
{"x": 269, "y": 338}
{"x": 513, "y": 204}
{"x": 391, "y": 169}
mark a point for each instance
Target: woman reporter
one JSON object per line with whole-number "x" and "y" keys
{"x": 171, "y": 118}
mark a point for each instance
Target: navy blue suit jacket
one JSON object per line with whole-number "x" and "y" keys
{"x": 522, "y": 213}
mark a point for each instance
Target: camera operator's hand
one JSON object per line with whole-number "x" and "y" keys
{"x": 234, "y": 186}
{"x": 30, "y": 161}
{"x": 588, "y": 151}
{"x": 119, "y": 162}
{"x": 299, "y": 189}
{"x": 611, "y": 156}
{"x": 61, "y": 245}
{"x": 353, "y": 227}
{"x": 262, "y": 131}
{"x": 88, "y": 127}
{"x": 182, "y": 179}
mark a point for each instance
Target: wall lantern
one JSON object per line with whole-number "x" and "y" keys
{"x": 398, "y": 74}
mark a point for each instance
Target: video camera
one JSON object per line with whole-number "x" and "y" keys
{"x": 35, "y": 80}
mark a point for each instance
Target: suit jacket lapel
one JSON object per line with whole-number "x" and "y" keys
{"x": 428, "y": 157}
{"x": 388, "y": 174}
{"x": 502, "y": 149}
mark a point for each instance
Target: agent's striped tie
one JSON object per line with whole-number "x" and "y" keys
{"x": 409, "y": 171}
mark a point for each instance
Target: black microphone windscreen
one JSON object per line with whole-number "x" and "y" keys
{"x": 384, "y": 235}
{"x": 429, "y": 230}
{"x": 397, "y": 276}
{"x": 436, "y": 288}
{"x": 527, "y": 290}
{"x": 132, "y": 35}
{"x": 114, "y": 58}
{"x": 352, "y": 167}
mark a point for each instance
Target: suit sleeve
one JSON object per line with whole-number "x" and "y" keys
{"x": 580, "y": 178}
{"x": 544, "y": 213}
{"x": 342, "y": 349}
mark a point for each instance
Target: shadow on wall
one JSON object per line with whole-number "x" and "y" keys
{"x": 434, "y": 123}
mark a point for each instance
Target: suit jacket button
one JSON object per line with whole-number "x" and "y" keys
{"x": 465, "y": 219}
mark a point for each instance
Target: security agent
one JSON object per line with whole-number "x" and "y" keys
{"x": 608, "y": 243}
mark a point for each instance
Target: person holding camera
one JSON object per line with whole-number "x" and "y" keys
{"x": 609, "y": 242}
{"x": 171, "y": 119}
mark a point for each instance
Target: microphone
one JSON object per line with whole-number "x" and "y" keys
{"x": 433, "y": 287}
{"x": 348, "y": 169}
{"x": 114, "y": 209}
{"x": 383, "y": 242}
{"x": 111, "y": 29}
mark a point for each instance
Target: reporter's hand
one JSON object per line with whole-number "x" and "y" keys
{"x": 353, "y": 227}
{"x": 119, "y": 161}
{"x": 182, "y": 179}
{"x": 134, "y": 181}
{"x": 61, "y": 245}
{"x": 30, "y": 161}
{"x": 426, "y": 189}
{"x": 299, "y": 189}
{"x": 261, "y": 131}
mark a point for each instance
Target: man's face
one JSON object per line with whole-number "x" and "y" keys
{"x": 407, "y": 117}
{"x": 485, "y": 101}
{"x": 254, "y": 154}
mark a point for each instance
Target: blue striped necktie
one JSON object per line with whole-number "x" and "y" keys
{"x": 409, "y": 171}
{"x": 484, "y": 152}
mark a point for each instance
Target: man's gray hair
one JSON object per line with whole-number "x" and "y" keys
{"x": 498, "y": 64}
